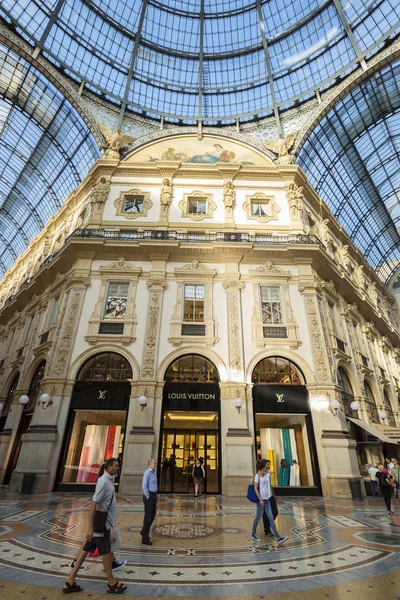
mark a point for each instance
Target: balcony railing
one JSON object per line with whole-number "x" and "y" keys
{"x": 199, "y": 238}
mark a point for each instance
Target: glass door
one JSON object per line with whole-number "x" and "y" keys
{"x": 180, "y": 449}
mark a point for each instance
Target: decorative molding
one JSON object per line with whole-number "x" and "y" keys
{"x": 151, "y": 337}
{"x": 197, "y": 195}
{"x": 196, "y": 269}
{"x": 234, "y": 336}
{"x": 68, "y": 333}
{"x": 274, "y": 208}
{"x": 119, "y": 204}
{"x": 317, "y": 340}
{"x": 270, "y": 269}
{"x": 326, "y": 337}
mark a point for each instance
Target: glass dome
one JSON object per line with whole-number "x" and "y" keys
{"x": 208, "y": 60}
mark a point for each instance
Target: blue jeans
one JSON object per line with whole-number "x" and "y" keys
{"x": 268, "y": 511}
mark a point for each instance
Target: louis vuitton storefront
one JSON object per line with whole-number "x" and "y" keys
{"x": 97, "y": 420}
{"x": 283, "y": 427}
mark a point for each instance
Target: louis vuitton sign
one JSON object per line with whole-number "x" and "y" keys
{"x": 191, "y": 396}
{"x": 280, "y": 399}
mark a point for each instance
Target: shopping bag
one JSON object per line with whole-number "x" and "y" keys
{"x": 115, "y": 539}
{"x": 251, "y": 494}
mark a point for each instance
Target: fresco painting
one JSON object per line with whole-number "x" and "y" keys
{"x": 208, "y": 151}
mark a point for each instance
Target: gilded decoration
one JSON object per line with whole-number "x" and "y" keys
{"x": 235, "y": 354}
{"x": 150, "y": 350}
{"x": 197, "y": 205}
{"x": 317, "y": 340}
{"x": 262, "y": 208}
{"x": 133, "y": 204}
{"x": 65, "y": 346}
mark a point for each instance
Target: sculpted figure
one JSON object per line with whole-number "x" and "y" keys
{"x": 229, "y": 196}
{"x": 359, "y": 272}
{"x": 165, "y": 195}
{"x": 281, "y": 147}
{"x": 325, "y": 235}
{"x": 344, "y": 256}
{"x": 115, "y": 142}
{"x": 294, "y": 195}
{"x": 100, "y": 192}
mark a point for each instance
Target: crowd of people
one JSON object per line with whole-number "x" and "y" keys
{"x": 385, "y": 481}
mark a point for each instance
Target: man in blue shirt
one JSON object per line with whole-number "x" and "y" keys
{"x": 150, "y": 488}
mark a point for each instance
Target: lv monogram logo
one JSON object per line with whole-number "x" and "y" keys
{"x": 280, "y": 397}
{"x": 102, "y": 395}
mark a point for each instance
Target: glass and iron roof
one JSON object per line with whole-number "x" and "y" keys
{"x": 46, "y": 150}
{"x": 352, "y": 159}
{"x": 205, "y": 59}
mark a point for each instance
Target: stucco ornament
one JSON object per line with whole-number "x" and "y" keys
{"x": 229, "y": 196}
{"x": 115, "y": 142}
{"x": 281, "y": 147}
{"x": 100, "y": 192}
{"x": 325, "y": 233}
{"x": 344, "y": 256}
{"x": 165, "y": 196}
{"x": 360, "y": 276}
{"x": 295, "y": 198}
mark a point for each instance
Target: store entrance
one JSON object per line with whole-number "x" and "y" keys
{"x": 190, "y": 426}
{"x": 187, "y": 437}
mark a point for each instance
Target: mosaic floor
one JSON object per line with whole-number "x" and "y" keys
{"x": 202, "y": 548}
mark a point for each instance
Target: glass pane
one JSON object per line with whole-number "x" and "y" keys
{"x": 283, "y": 439}
{"x": 188, "y": 310}
{"x": 96, "y": 436}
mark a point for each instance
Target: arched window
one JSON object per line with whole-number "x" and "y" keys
{"x": 108, "y": 366}
{"x": 277, "y": 370}
{"x": 192, "y": 367}
{"x": 387, "y": 407}
{"x": 347, "y": 392}
{"x": 8, "y": 398}
{"x": 34, "y": 387}
{"x": 371, "y": 404}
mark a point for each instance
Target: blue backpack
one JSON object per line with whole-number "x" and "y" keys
{"x": 251, "y": 494}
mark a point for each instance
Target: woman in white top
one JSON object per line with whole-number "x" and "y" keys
{"x": 262, "y": 487}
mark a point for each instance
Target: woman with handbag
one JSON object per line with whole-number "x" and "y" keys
{"x": 102, "y": 516}
{"x": 262, "y": 488}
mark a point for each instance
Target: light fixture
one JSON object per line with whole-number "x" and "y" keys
{"x": 382, "y": 415}
{"x": 45, "y": 400}
{"x": 24, "y": 399}
{"x": 334, "y": 406}
{"x": 355, "y": 405}
{"x": 142, "y": 402}
{"x": 238, "y": 404}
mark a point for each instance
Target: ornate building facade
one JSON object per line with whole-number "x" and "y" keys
{"x": 193, "y": 299}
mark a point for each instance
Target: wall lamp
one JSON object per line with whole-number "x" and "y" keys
{"x": 238, "y": 404}
{"x": 44, "y": 400}
{"x": 355, "y": 405}
{"x": 334, "y": 406}
{"x": 142, "y": 402}
{"x": 382, "y": 415}
{"x": 23, "y": 400}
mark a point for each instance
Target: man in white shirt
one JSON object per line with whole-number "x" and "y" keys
{"x": 375, "y": 489}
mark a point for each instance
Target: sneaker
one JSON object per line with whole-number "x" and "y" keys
{"x": 281, "y": 539}
{"x": 269, "y": 534}
{"x": 81, "y": 568}
{"x": 255, "y": 537}
{"x": 118, "y": 564}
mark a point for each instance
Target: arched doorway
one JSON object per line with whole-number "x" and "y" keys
{"x": 190, "y": 425}
{"x": 7, "y": 402}
{"x": 283, "y": 426}
{"x": 97, "y": 420}
{"x": 26, "y": 418}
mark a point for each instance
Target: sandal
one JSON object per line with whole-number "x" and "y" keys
{"x": 117, "y": 588}
{"x": 71, "y": 589}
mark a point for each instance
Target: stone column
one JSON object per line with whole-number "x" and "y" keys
{"x": 141, "y": 436}
{"x": 41, "y": 444}
{"x": 335, "y": 447}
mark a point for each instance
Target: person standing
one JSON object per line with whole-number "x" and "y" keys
{"x": 274, "y": 509}
{"x": 395, "y": 473}
{"x": 386, "y": 484}
{"x": 262, "y": 487}
{"x": 374, "y": 482}
{"x": 102, "y": 516}
{"x": 150, "y": 488}
{"x": 198, "y": 474}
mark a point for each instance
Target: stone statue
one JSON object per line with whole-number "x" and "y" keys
{"x": 325, "y": 234}
{"x": 295, "y": 198}
{"x": 281, "y": 147}
{"x": 344, "y": 256}
{"x": 115, "y": 142}
{"x": 165, "y": 196}
{"x": 373, "y": 292}
{"x": 359, "y": 273}
{"x": 229, "y": 196}
{"x": 100, "y": 192}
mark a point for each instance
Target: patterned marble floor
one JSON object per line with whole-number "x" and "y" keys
{"x": 202, "y": 548}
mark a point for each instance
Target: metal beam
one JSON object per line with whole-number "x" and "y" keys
{"x": 52, "y": 19}
{"x": 269, "y": 68}
{"x": 350, "y": 34}
{"x": 201, "y": 62}
{"x": 132, "y": 63}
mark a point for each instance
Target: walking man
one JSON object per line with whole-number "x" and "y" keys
{"x": 103, "y": 502}
{"x": 395, "y": 473}
{"x": 150, "y": 488}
